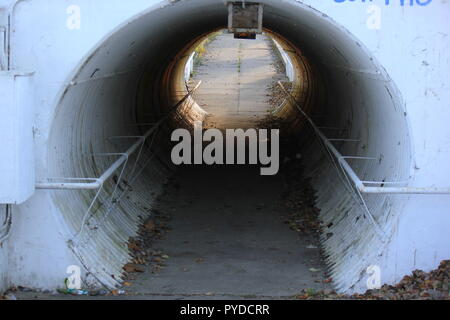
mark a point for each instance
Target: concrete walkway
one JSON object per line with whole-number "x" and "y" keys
{"x": 229, "y": 239}
{"x": 235, "y": 76}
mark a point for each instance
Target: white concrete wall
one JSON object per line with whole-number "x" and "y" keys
{"x": 16, "y": 137}
{"x": 290, "y": 72}
{"x": 189, "y": 67}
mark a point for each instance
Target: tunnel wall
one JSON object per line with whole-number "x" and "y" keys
{"x": 420, "y": 233}
{"x": 417, "y": 226}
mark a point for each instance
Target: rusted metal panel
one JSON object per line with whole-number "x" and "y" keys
{"x": 245, "y": 19}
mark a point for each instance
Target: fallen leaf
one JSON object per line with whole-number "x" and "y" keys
{"x": 129, "y": 267}
{"x": 150, "y": 225}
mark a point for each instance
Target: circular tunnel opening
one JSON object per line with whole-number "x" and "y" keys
{"x": 134, "y": 77}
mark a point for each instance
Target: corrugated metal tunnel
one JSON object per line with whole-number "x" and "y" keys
{"x": 136, "y": 74}
{"x": 83, "y": 87}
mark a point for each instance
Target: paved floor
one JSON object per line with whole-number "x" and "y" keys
{"x": 228, "y": 238}
{"x": 235, "y": 75}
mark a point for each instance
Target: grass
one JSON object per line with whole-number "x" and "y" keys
{"x": 239, "y": 58}
{"x": 203, "y": 47}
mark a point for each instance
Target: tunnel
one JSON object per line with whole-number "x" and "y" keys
{"x": 133, "y": 78}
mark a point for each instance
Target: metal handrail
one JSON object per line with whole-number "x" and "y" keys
{"x": 360, "y": 186}
{"x": 99, "y": 182}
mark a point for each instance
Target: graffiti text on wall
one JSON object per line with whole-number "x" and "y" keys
{"x": 391, "y": 2}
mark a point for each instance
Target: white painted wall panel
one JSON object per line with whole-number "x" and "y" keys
{"x": 16, "y": 138}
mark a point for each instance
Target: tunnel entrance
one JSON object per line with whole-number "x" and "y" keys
{"x": 225, "y": 230}
{"x": 132, "y": 80}
{"x": 236, "y": 77}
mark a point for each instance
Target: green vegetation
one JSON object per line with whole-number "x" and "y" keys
{"x": 239, "y": 58}
{"x": 202, "y": 48}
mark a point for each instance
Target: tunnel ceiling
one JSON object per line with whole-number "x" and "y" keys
{"x": 171, "y": 27}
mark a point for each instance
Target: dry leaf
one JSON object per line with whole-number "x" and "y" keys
{"x": 129, "y": 267}
{"x": 150, "y": 225}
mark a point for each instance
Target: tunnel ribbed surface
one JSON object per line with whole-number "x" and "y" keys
{"x": 135, "y": 75}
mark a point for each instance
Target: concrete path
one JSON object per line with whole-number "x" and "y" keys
{"x": 228, "y": 239}
{"x": 235, "y": 76}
